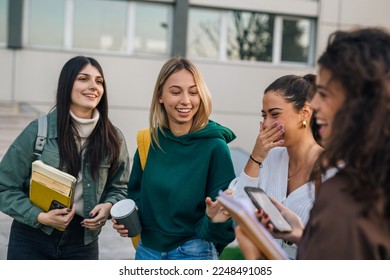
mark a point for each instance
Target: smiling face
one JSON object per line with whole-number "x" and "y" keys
{"x": 87, "y": 92}
{"x": 277, "y": 109}
{"x": 326, "y": 103}
{"x": 181, "y": 101}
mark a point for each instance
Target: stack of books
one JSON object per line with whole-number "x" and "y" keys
{"x": 51, "y": 188}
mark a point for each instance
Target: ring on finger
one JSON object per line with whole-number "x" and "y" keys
{"x": 99, "y": 222}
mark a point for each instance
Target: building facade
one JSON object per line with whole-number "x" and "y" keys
{"x": 240, "y": 46}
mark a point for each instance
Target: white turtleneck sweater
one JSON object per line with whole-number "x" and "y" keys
{"x": 84, "y": 129}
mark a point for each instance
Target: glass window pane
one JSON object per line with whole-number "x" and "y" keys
{"x": 250, "y": 36}
{"x": 46, "y": 28}
{"x": 295, "y": 41}
{"x": 203, "y": 33}
{"x": 152, "y": 27}
{"x": 3, "y": 20}
{"x": 100, "y": 24}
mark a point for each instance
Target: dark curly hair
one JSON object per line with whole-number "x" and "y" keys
{"x": 360, "y": 61}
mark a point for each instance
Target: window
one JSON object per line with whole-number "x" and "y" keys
{"x": 45, "y": 29}
{"x": 152, "y": 26}
{"x": 204, "y": 33}
{"x": 295, "y": 40}
{"x": 250, "y": 36}
{"x": 105, "y": 25}
{"x": 3, "y": 21}
{"x": 100, "y": 25}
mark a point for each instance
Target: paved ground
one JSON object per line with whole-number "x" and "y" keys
{"x": 112, "y": 246}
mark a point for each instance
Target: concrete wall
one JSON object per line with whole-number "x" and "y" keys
{"x": 346, "y": 14}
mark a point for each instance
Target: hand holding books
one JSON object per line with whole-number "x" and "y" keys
{"x": 51, "y": 188}
{"x": 242, "y": 213}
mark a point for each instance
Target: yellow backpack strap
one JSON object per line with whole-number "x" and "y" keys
{"x": 143, "y": 143}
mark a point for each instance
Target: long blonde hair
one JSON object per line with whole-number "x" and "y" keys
{"x": 158, "y": 118}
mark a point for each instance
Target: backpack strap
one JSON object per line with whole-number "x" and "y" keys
{"x": 143, "y": 143}
{"x": 41, "y": 136}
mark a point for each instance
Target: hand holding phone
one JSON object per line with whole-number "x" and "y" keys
{"x": 261, "y": 201}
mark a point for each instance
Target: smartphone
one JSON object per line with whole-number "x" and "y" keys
{"x": 56, "y": 205}
{"x": 261, "y": 201}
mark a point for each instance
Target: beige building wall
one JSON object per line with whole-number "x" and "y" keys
{"x": 30, "y": 75}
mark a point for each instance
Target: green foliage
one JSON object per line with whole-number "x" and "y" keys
{"x": 231, "y": 253}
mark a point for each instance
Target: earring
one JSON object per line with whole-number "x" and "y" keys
{"x": 303, "y": 125}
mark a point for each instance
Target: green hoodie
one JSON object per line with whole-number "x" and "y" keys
{"x": 171, "y": 192}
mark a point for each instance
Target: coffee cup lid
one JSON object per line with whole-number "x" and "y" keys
{"x": 122, "y": 208}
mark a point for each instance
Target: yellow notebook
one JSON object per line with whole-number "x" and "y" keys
{"x": 51, "y": 188}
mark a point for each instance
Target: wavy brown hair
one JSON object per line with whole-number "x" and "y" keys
{"x": 360, "y": 61}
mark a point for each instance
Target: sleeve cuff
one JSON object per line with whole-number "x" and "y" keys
{"x": 238, "y": 184}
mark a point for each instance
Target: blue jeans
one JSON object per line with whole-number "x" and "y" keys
{"x": 194, "y": 249}
{"x": 28, "y": 243}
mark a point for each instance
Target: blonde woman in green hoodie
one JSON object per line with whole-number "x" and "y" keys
{"x": 188, "y": 163}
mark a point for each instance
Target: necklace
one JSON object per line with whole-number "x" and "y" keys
{"x": 290, "y": 176}
{"x": 310, "y": 153}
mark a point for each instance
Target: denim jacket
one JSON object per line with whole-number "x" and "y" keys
{"x": 15, "y": 173}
